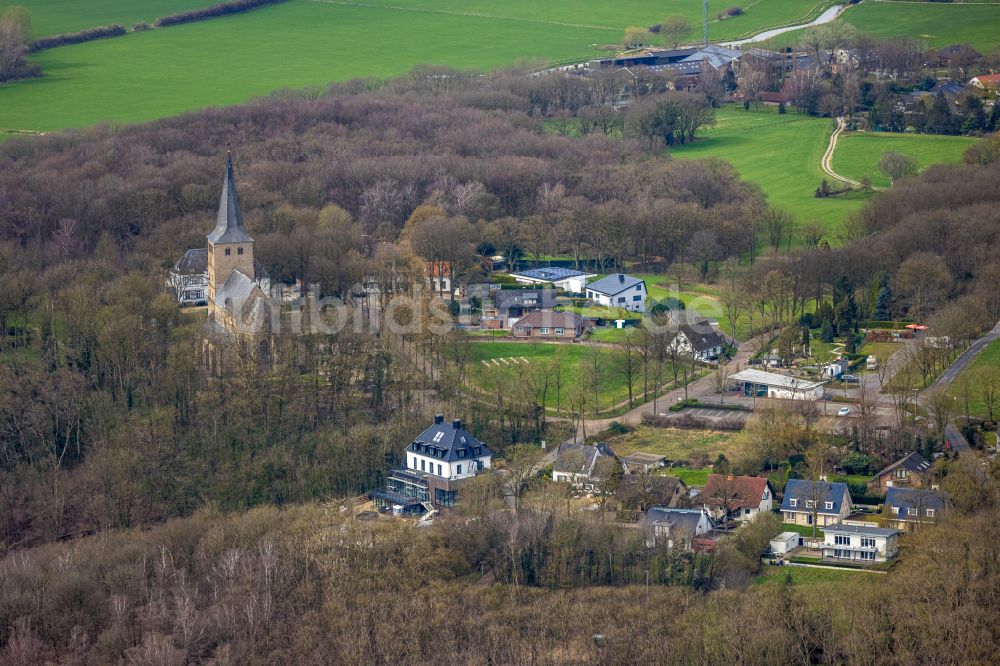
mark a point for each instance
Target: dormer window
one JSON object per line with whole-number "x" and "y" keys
{"x": 930, "y": 513}
{"x": 829, "y": 505}
{"x": 809, "y": 504}
{"x": 228, "y": 251}
{"x": 793, "y": 502}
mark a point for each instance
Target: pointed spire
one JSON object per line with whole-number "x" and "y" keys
{"x": 229, "y": 227}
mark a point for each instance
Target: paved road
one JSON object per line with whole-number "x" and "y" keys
{"x": 952, "y": 372}
{"x": 826, "y": 17}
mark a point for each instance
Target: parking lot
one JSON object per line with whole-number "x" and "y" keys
{"x": 714, "y": 414}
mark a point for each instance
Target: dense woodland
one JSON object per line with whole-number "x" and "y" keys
{"x": 108, "y": 423}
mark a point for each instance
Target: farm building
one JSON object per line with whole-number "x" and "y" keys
{"x": 566, "y": 279}
{"x": 772, "y": 385}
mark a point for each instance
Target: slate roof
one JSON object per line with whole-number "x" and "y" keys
{"x": 229, "y": 226}
{"x": 194, "y": 262}
{"x": 234, "y": 291}
{"x": 613, "y": 284}
{"x": 683, "y": 522}
{"x": 743, "y": 492}
{"x": 914, "y": 462}
{"x": 716, "y": 56}
{"x": 448, "y": 442}
{"x": 582, "y": 459}
{"x": 553, "y": 319}
{"x": 549, "y": 274}
{"x": 802, "y": 490}
{"x": 862, "y": 530}
{"x": 907, "y": 498}
{"x": 504, "y": 299}
{"x": 702, "y": 340}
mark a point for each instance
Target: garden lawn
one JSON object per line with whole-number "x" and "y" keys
{"x": 302, "y": 43}
{"x": 804, "y": 576}
{"x": 506, "y": 372}
{"x": 937, "y": 23}
{"x": 858, "y": 154}
{"x": 676, "y": 444}
{"x": 986, "y": 368}
{"x": 781, "y": 153}
{"x": 52, "y": 17}
{"x": 691, "y": 476}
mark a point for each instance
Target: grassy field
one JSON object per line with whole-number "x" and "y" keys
{"x": 51, "y": 17}
{"x": 513, "y": 359}
{"x": 779, "y": 152}
{"x": 985, "y": 367}
{"x": 939, "y": 24}
{"x": 858, "y": 154}
{"x": 675, "y": 444}
{"x": 804, "y": 576}
{"x": 304, "y": 43}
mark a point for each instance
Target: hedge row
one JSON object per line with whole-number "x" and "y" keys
{"x": 87, "y": 35}
{"x": 222, "y": 9}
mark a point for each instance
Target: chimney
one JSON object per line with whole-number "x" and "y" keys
{"x": 457, "y": 424}
{"x": 822, "y": 477}
{"x": 439, "y": 418}
{"x": 935, "y": 486}
{"x": 621, "y": 277}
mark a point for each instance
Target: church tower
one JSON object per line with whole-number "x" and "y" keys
{"x": 230, "y": 246}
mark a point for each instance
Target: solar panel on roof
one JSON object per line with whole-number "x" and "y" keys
{"x": 550, "y": 274}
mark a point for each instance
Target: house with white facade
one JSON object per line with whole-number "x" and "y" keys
{"x": 806, "y": 502}
{"x": 860, "y": 543}
{"x": 675, "y": 528}
{"x": 619, "y": 291}
{"x": 566, "y": 279}
{"x": 583, "y": 465}
{"x": 701, "y": 341}
{"x": 772, "y": 385}
{"x": 438, "y": 462}
{"x": 743, "y": 498}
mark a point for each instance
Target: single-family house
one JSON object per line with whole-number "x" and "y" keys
{"x": 505, "y": 307}
{"x": 729, "y": 497}
{"x": 642, "y": 491}
{"x": 806, "y": 502}
{"x": 551, "y": 325}
{"x": 860, "y": 543}
{"x": 986, "y": 81}
{"x": 702, "y": 341}
{"x": 910, "y": 471}
{"x": 583, "y": 465}
{"x": 619, "y": 291}
{"x": 675, "y": 528}
{"x": 908, "y": 508}
{"x": 566, "y": 279}
{"x": 439, "y": 461}
{"x": 772, "y": 385}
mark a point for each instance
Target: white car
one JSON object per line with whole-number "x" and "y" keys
{"x": 844, "y": 411}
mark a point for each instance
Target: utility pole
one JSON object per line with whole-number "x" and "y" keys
{"x": 705, "y": 3}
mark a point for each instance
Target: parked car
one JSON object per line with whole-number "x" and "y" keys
{"x": 850, "y": 379}
{"x": 844, "y": 411}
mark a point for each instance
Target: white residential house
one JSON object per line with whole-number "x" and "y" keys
{"x": 702, "y": 341}
{"x": 565, "y": 279}
{"x": 583, "y": 465}
{"x": 743, "y": 498}
{"x": 860, "y": 543}
{"x": 675, "y": 528}
{"x": 619, "y": 291}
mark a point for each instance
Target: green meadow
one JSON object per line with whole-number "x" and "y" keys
{"x": 937, "y": 23}
{"x": 52, "y": 17}
{"x": 982, "y": 373}
{"x": 779, "y": 152}
{"x": 858, "y": 154}
{"x": 301, "y": 43}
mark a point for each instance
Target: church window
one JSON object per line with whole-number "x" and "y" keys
{"x": 228, "y": 251}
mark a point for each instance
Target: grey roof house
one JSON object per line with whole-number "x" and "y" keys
{"x": 907, "y": 508}
{"x": 805, "y": 500}
{"x": 584, "y": 465}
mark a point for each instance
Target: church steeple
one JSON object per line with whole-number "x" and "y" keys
{"x": 229, "y": 227}
{"x": 230, "y": 245}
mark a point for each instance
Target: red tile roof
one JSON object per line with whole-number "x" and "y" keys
{"x": 745, "y": 491}
{"x": 989, "y": 79}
